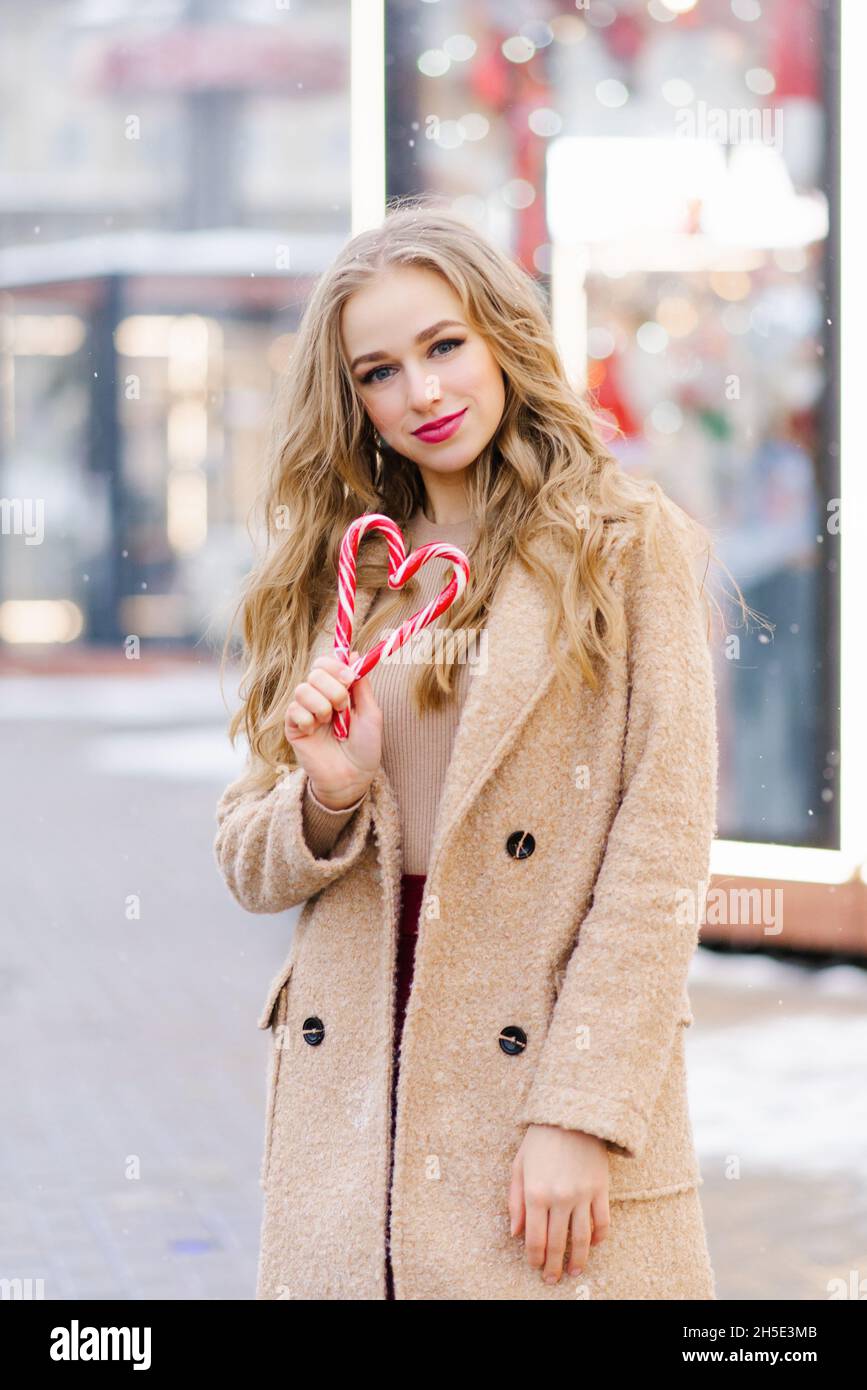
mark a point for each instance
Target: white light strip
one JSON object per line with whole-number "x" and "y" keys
{"x": 569, "y": 309}
{"x": 780, "y": 863}
{"x": 367, "y": 113}
{"x": 853, "y": 524}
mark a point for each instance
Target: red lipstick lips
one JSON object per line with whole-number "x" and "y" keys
{"x": 442, "y": 428}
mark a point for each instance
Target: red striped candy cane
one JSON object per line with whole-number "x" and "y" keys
{"x": 400, "y": 568}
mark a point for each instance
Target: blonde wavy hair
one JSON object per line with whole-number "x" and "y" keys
{"x": 545, "y": 461}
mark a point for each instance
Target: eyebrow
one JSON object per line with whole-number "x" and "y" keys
{"x": 421, "y": 337}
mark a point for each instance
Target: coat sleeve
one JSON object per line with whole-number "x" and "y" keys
{"x": 613, "y": 1026}
{"x": 263, "y": 854}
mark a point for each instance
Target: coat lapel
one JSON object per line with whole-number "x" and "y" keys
{"x": 515, "y": 671}
{"x": 512, "y": 670}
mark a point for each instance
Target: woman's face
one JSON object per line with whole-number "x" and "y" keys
{"x": 421, "y": 362}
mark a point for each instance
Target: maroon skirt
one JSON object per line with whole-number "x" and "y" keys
{"x": 412, "y": 891}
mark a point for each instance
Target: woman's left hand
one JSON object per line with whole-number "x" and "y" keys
{"x": 559, "y": 1188}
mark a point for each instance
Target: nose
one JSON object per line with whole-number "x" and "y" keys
{"x": 423, "y": 390}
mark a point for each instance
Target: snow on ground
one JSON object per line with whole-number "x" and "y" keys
{"x": 785, "y": 1094}
{"x": 750, "y": 972}
{"x": 135, "y": 699}
{"x": 783, "y": 1090}
{"x": 188, "y": 734}
{"x": 180, "y": 755}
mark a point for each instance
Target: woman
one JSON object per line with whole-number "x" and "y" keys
{"x": 518, "y": 824}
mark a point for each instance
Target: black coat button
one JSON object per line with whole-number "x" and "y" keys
{"x": 520, "y": 844}
{"x": 512, "y": 1039}
{"x": 313, "y": 1030}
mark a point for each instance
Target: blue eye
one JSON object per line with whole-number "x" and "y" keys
{"x": 446, "y": 342}
{"x": 450, "y": 343}
{"x": 371, "y": 375}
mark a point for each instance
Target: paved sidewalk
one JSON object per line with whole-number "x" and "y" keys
{"x": 132, "y": 1132}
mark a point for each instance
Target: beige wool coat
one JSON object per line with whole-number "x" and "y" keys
{"x": 563, "y": 898}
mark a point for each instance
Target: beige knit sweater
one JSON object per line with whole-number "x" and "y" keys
{"x": 415, "y": 750}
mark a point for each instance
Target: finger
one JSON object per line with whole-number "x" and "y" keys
{"x": 336, "y": 666}
{"x": 601, "y": 1217}
{"x": 516, "y": 1201}
{"x": 341, "y": 670}
{"x": 558, "y": 1230}
{"x": 303, "y": 720}
{"x": 333, "y": 689}
{"x": 363, "y": 699}
{"x": 312, "y": 700}
{"x": 536, "y": 1235}
{"x": 580, "y": 1237}
{"x": 298, "y": 722}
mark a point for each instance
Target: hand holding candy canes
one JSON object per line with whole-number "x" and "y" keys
{"x": 339, "y": 772}
{"x": 341, "y": 767}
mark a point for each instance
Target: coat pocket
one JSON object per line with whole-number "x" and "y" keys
{"x": 669, "y": 1163}
{"x": 273, "y": 1016}
{"x": 276, "y": 985}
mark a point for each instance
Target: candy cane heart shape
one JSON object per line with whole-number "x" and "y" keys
{"x": 400, "y": 568}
